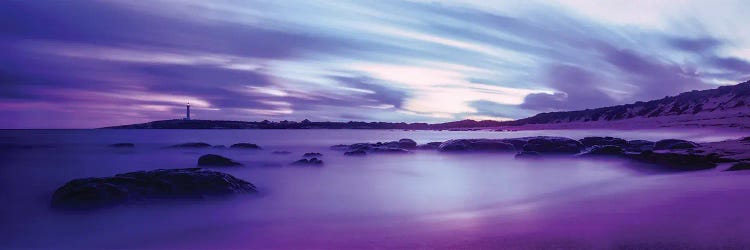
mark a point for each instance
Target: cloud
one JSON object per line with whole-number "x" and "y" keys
{"x": 132, "y": 61}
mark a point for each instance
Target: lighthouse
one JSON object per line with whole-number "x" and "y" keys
{"x": 187, "y": 112}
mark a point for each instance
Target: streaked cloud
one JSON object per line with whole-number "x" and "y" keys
{"x": 134, "y": 61}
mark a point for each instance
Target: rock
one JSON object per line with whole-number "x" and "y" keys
{"x": 358, "y": 152}
{"x": 244, "y": 146}
{"x": 676, "y": 160}
{"x": 488, "y": 145}
{"x": 430, "y": 146}
{"x": 528, "y": 155}
{"x": 91, "y": 193}
{"x": 122, "y": 145}
{"x": 553, "y": 145}
{"x": 517, "y": 142}
{"x": 311, "y": 161}
{"x": 312, "y": 154}
{"x": 601, "y": 141}
{"x": 674, "y": 144}
{"x": 192, "y": 145}
{"x": 744, "y": 165}
{"x": 389, "y": 150}
{"x": 605, "y": 150}
{"x": 281, "y": 152}
{"x": 639, "y": 146}
{"x": 407, "y": 143}
{"x": 216, "y": 160}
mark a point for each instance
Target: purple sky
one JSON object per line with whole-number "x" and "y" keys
{"x": 83, "y": 64}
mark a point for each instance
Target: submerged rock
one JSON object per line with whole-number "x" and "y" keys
{"x": 602, "y": 141}
{"x": 407, "y": 143}
{"x": 192, "y": 183}
{"x": 429, "y": 146}
{"x": 676, "y": 160}
{"x": 674, "y": 144}
{"x": 219, "y": 146}
{"x": 605, "y": 150}
{"x": 192, "y": 145}
{"x": 312, "y": 154}
{"x": 639, "y": 146}
{"x": 739, "y": 166}
{"x": 122, "y": 145}
{"x": 311, "y": 161}
{"x": 358, "y": 152}
{"x": 488, "y": 145}
{"x": 217, "y": 161}
{"x": 244, "y": 146}
{"x": 553, "y": 145}
{"x": 281, "y": 152}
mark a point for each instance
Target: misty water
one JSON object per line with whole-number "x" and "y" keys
{"x": 425, "y": 199}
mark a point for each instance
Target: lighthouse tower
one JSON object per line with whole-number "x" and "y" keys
{"x": 187, "y": 112}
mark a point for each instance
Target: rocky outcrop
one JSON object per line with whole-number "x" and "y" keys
{"x": 400, "y": 146}
{"x": 739, "y": 166}
{"x": 604, "y": 150}
{"x": 308, "y": 162}
{"x": 553, "y": 145}
{"x": 312, "y": 154}
{"x": 429, "y": 146}
{"x": 486, "y": 145}
{"x": 407, "y": 144}
{"x": 358, "y": 152}
{"x": 188, "y": 183}
{"x": 602, "y": 141}
{"x": 677, "y": 160}
{"x": 244, "y": 146}
{"x": 192, "y": 145}
{"x": 639, "y": 146}
{"x": 216, "y": 161}
{"x": 122, "y": 145}
{"x": 674, "y": 144}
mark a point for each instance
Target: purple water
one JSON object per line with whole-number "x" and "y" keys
{"x": 420, "y": 200}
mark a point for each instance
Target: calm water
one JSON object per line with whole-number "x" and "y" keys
{"x": 425, "y": 199}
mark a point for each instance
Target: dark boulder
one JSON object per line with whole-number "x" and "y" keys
{"x": 122, "y": 145}
{"x": 193, "y": 183}
{"x": 308, "y": 162}
{"x": 528, "y": 155}
{"x": 602, "y": 141}
{"x": 605, "y": 150}
{"x": 192, "y": 145}
{"x": 639, "y": 146}
{"x": 744, "y": 165}
{"x": 244, "y": 146}
{"x": 516, "y": 142}
{"x": 553, "y": 145}
{"x": 430, "y": 146}
{"x": 407, "y": 143}
{"x": 674, "y": 144}
{"x": 676, "y": 160}
{"x": 476, "y": 145}
{"x": 312, "y": 154}
{"x": 358, "y": 152}
{"x": 216, "y": 160}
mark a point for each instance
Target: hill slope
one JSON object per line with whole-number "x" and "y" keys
{"x": 722, "y": 101}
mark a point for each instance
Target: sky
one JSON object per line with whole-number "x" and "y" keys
{"x": 87, "y": 64}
